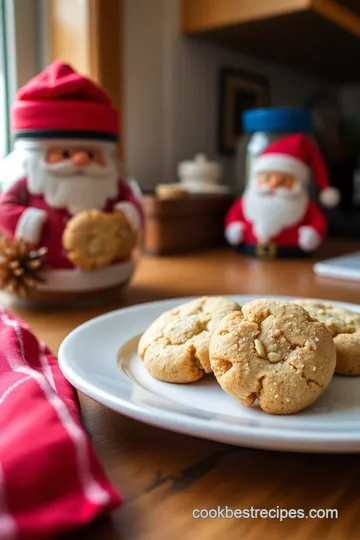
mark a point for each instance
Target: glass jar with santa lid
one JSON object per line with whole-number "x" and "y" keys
{"x": 275, "y": 217}
{"x": 262, "y": 127}
{"x": 71, "y": 220}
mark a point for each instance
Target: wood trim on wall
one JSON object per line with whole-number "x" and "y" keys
{"x": 69, "y": 34}
{"x": 106, "y": 51}
{"x": 89, "y": 35}
{"x": 202, "y": 15}
{"x": 339, "y": 14}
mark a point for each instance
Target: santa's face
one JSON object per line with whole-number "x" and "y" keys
{"x": 73, "y": 178}
{"x": 270, "y": 182}
{"x": 274, "y": 201}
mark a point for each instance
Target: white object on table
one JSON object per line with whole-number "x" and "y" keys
{"x": 343, "y": 267}
{"x": 201, "y": 175}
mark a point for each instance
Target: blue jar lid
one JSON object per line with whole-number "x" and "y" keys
{"x": 277, "y": 119}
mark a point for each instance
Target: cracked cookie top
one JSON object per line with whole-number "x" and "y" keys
{"x": 274, "y": 352}
{"x": 175, "y": 348}
{"x": 93, "y": 239}
{"x": 344, "y": 326}
{"x": 338, "y": 320}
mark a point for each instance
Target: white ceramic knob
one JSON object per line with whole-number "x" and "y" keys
{"x": 200, "y": 171}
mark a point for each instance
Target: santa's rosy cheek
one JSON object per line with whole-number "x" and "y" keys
{"x": 98, "y": 158}
{"x": 54, "y": 157}
{"x": 261, "y": 181}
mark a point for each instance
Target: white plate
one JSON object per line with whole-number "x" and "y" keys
{"x": 88, "y": 359}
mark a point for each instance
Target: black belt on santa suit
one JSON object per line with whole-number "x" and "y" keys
{"x": 269, "y": 251}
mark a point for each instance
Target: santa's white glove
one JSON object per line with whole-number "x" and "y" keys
{"x": 30, "y": 225}
{"x": 130, "y": 212}
{"x": 309, "y": 239}
{"x": 234, "y": 233}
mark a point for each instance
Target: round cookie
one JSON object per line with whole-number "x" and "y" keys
{"x": 344, "y": 327}
{"x": 175, "y": 348}
{"x": 94, "y": 239}
{"x": 274, "y": 352}
{"x": 125, "y": 235}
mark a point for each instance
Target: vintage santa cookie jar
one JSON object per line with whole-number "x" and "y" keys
{"x": 70, "y": 220}
{"x": 275, "y": 216}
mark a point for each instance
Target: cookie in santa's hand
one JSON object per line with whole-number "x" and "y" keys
{"x": 125, "y": 233}
{"x": 94, "y": 239}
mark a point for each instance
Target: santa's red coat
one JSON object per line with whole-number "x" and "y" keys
{"x": 17, "y": 199}
{"x": 289, "y": 236}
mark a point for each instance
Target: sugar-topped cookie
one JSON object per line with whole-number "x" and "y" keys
{"x": 344, "y": 326}
{"x": 274, "y": 352}
{"x": 175, "y": 348}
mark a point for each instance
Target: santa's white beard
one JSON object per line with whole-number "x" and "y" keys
{"x": 271, "y": 214}
{"x": 62, "y": 186}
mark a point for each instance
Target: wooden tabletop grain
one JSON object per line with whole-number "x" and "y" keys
{"x": 164, "y": 476}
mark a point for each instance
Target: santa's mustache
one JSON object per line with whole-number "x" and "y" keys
{"x": 66, "y": 169}
{"x": 284, "y": 193}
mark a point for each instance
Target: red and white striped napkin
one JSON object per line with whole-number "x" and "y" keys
{"x": 50, "y": 477}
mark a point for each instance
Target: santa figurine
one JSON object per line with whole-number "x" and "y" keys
{"x": 275, "y": 216}
{"x": 65, "y": 199}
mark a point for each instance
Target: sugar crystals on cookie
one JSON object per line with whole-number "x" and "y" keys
{"x": 175, "y": 348}
{"x": 274, "y": 352}
{"x": 344, "y": 327}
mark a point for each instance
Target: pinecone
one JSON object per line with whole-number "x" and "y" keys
{"x": 20, "y": 266}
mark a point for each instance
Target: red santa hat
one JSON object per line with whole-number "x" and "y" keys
{"x": 297, "y": 155}
{"x": 61, "y": 103}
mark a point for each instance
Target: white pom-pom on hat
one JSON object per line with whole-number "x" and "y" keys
{"x": 330, "y": 197}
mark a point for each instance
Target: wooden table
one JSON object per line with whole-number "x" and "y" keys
{"x": 163, "y": 476}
